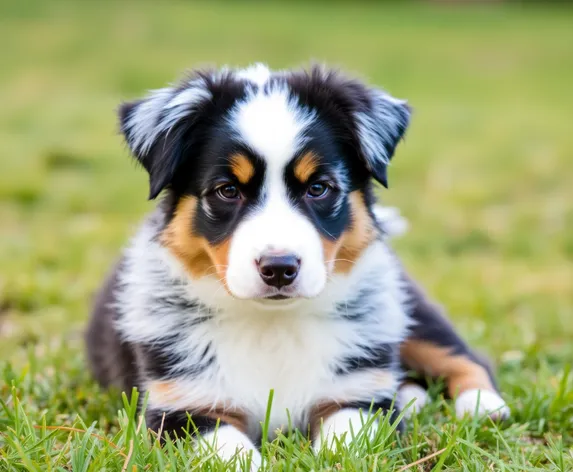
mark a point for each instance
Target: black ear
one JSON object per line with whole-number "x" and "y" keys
{"x": 381, "y": 122}
{"x": 374, "y": 121}
{"x": 155, "y": 126}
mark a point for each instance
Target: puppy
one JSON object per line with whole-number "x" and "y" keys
{"x": 264, "y": 266}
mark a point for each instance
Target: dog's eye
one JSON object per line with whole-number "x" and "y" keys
{"x": 317, "y": 190}
{"x": 229, "y": 192}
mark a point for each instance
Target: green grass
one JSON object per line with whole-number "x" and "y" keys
{"x": 485, "y": 177}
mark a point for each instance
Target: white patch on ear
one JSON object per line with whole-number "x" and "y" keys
{"x": 482, "y": 402}
{"x": 343, "y": 425}
{"x": 390, "y": 220}
{"x": 159, "y": 112}
{"x": 228, "y": 442}
{"x": 381, "y": 127}
{"x": 411, "y": 392}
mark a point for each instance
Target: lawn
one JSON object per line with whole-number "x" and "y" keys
{"x": 485, "y": 177}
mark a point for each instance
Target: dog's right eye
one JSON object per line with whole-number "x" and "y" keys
{"x": 228, "y": 192}
{"x": 317, "y": 190}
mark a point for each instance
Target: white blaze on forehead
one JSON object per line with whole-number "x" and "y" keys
{"x": 272, "y": 124}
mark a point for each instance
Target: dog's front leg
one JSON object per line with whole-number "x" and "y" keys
{"x": 332, "y": 422}
{"x": 343, "y": 425}
{"x": 214, "y": 431}
{"x": 176, "y": 409}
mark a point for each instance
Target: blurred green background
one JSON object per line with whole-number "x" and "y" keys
{"x": 485, "y": 175}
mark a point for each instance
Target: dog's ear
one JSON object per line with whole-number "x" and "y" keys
{"x": 155, "y": 127}
{"x": 381, "y": 121}
{"x": 373, "y": 120}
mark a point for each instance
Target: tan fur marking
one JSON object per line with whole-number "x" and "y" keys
{"x": 384, "y": 378}
{"x": 198, "y": 256}
{"x": 233, "y": 417}
{"x": 168, "y": 393}
{"x": 459, "y": 372}
{"x": 320, "y": 413}
{"x": 305, "y": 167}
{"x": 350, "y": 245}
{"x": 242, "y": 168}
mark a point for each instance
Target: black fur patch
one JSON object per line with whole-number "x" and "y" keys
{"x": 338, "y": 99}
{"x": 356, "y": 309}
{"x": 176, "y": 148}
{"x": 333, "y": 164}
{"x": 213, "y": 168}
{"x": 159, "y": 361}
{"x": 383, "y": 356}
{"x": 384, "y": 406}
{"x": 180, "y": 423}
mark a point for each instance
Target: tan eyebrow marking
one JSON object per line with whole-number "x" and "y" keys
{"x": 242, "y": 168}
{"x": 305, "y": 167}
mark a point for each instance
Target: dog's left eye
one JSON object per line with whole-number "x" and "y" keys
{"x": 228, "y": 192}
{"x": 317, "y": 190}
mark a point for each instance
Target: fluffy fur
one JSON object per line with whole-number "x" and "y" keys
{"x": 260, "y": 166}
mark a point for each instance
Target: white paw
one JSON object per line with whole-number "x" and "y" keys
{"x": 484, "y": 402}
{"x": 344, "y": 425}
{"x": 391, "y": 221}
{"x": 228, "y": 442}
{"x": 411, "y": 392}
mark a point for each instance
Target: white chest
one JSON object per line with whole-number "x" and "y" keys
{"x": 295, "y": 357}
{"x": 295, "y": 352}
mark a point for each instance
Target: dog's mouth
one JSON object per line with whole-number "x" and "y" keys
{"x": 278, "y": 297}
{"x": 278, "y": 301}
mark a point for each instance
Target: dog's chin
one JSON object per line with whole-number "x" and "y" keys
{"x": 262, "y": 297}
{"x": 276, "y": 304}
{"x": 279, "y": 297}
{"x": 276, "y": 301}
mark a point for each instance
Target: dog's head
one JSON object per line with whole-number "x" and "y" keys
{"x": 269, "y": 174}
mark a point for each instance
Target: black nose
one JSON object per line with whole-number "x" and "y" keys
{"x": 279, "y": 271}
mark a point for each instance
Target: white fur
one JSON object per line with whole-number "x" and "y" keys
{"x": 229, "y": 442}
{"x": 482, "y": 403}
{"x": 273, "y": 126}
{"x": 345, "y": 425}
{"x": 144, "y": 126}
{"x": 341, "y": 180}
{"x": 271, "y": 123}
{"x": 258, "y": 74}
{"x": 276, "y": 228}
{"x": 390, "y": 220}
{"x": 379, "y": 126}
{"x": 291, "y": 347}
{"x": 410, "y": 392}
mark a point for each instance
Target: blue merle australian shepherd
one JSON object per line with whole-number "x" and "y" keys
{"x": 266, "y": 266}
